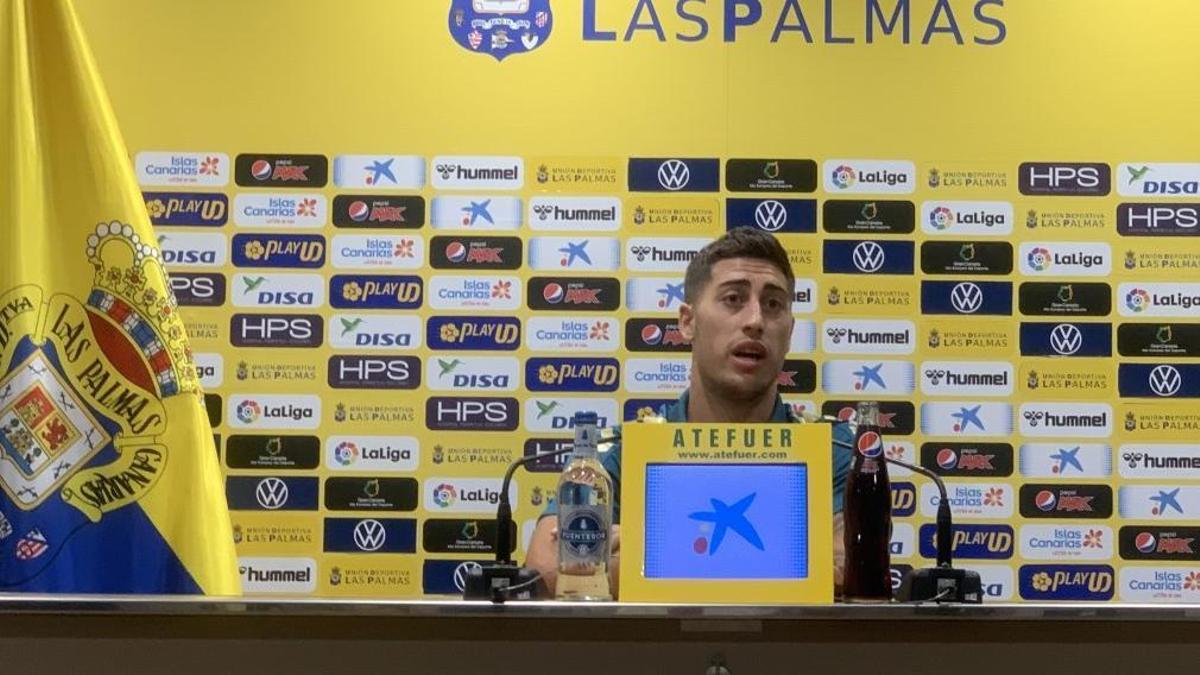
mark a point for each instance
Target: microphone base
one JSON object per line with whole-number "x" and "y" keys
{"x": 951, "y": 584}
{"x": 492, "y": 581}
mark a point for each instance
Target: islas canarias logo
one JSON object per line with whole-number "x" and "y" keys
{"x": 501, "y": 28}
{"x": 83, "y": 396}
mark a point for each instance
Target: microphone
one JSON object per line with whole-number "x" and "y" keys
{"x": 943, "y": 583}
{"x": 502, "y": 579}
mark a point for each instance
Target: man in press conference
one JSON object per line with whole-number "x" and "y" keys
{"x": 737, "y": 314}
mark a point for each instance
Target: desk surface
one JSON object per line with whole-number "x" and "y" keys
{"x": 122, "y": 634}
{"x": 299, "y": 607}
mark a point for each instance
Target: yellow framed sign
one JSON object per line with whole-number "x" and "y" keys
{"x": 726, "y": 513}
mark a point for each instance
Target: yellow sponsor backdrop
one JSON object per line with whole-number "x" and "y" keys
{"x": 1064, "y": 81}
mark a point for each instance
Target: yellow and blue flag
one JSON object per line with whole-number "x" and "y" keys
{"x": 109, "y": 480}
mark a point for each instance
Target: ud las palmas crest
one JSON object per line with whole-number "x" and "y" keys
{"x": 501, "y": 27}
{"x": 81, "y": 408}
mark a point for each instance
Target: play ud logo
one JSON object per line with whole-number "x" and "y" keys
{"x": 500, "y": 28}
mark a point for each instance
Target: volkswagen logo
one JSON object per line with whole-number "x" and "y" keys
{"x": 1165, "y": 380}
{"x": 462, "y": 572}
{"x": 770, "y": 215}
{"x": 868, "y": 257}
{"x": 1066, "y": 339}
{"x": 673, "y": 174}
{"x": 271, "y": 493}
{"x": 966, "y": 297}
{"x": 369, "y": 535}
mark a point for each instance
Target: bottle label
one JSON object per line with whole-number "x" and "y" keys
{"x": 870, "y": 444}
{"x": 584, "y": 534}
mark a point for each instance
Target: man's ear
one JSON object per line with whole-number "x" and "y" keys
{"x": 687, "y": 319}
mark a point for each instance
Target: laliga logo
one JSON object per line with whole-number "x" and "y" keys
{"x": 868, "y": 257}
{"x": 941, "y": 218}
{"x": 445, "y": 495}
{"x": 770, "y": 215}
{"x": 870, "y": 445}
{"x": 844, "y": 177}
{"x": 249, "y": 411}
{"x": 1137, "y": 300}
{"x": 369, "y": 535}
{"x": 1165, "y": 380}
{"x": 966, "y": 297}
{"x": 1066, "y": 339}
{"x": 271, "y": 493}
{"x": 1039, "y": 259}
{"x": 500, "y": 28}
{"x": 673, "y": 175}
{"x": 346, "y": 453}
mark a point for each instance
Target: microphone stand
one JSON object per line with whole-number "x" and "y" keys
{"x": 502, "y": 579}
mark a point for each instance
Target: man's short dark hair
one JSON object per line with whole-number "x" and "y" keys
{"x": 740, "y": 242}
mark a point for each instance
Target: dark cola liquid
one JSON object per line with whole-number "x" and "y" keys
{"x": 868, "y": 517}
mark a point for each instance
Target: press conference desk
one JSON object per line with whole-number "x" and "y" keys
{"x": 97, "y": 635}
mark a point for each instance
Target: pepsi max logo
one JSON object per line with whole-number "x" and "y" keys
{"x": 374, "y": 211}
{"x": 655, "y": 335}
{"x": 1147, "y": 542}
{"x": 487, "y": 253}
{"x": 1066, "y": 501}
{"x": 600, "y": 294}
{"x": 870, "y": 445}
{"x": 797, "y": 376}
{"x": 968, "y": 459}
{"x": 255, "y": 170}
{"x": 896, "y": 418}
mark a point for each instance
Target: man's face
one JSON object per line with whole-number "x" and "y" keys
{"x": 740, "y": 326}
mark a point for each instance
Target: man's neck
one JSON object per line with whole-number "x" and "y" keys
{"x": 705, "y": 407}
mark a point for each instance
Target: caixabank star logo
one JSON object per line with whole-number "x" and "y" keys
{"x": 83, "y": 398}
{"x": 501, "y": 28}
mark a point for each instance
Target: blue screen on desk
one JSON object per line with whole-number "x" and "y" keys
{"x": 726, "y": 521}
